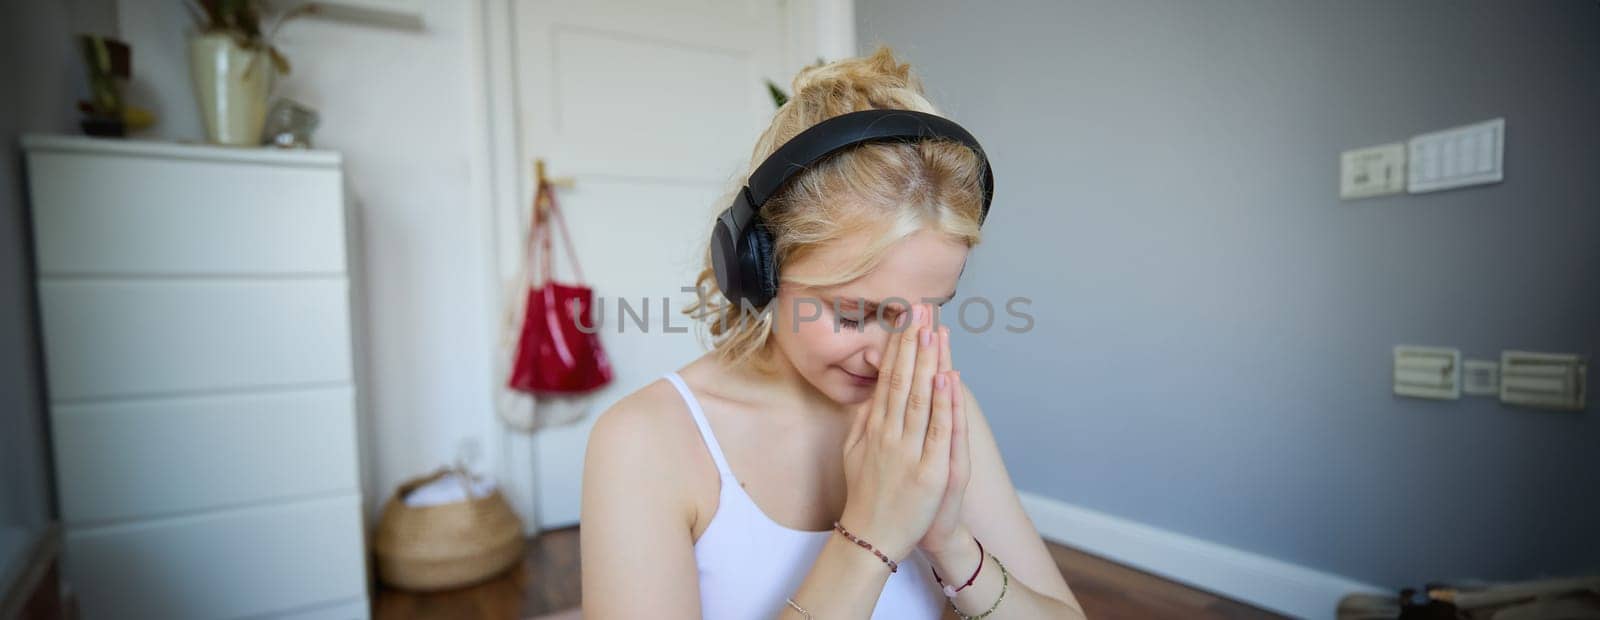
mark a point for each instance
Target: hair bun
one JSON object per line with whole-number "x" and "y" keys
{"x": 870, "y": 76}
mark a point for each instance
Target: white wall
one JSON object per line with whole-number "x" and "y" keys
{"x": 402, "y": 105}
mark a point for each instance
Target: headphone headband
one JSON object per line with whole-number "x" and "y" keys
{"x": 741, "y": 247}
{"x": 852, "y": 128}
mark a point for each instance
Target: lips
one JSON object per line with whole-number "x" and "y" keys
{"x": 865, "y": 379}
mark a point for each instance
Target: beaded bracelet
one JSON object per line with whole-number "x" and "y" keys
{"x": 1005, "y": 580}
{"x": 950, "y": 592}
{"x": 864, "y": 545}
{"x": 798, "y": 608}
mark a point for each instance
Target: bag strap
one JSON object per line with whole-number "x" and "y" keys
{"x": 552, "y": 210}
{"x": 535, "y": 242}
{"x": 516, "y": 305}
{"x": 532, "y": 242}
{"x": 540, "y": 237}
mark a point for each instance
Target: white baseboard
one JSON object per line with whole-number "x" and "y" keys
{"x": 1255, "y": 579}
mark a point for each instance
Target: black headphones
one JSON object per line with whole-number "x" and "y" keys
{"x": 741, "y": 245}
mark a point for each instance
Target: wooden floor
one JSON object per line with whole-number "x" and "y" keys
{"x": 548, "y": 581}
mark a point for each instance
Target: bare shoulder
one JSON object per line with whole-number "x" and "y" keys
{"x": 635, "y": 512}
{"x": 643, "y": 431}
{"x": 641, "y": 411}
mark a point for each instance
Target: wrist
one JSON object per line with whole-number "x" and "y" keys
{"x": 957, "y": 561}
{"x": 861, "y": 561}
{"x": 957, "y": 541}
{"x": 888, "y": 540}
{"x": 871, "y": 545}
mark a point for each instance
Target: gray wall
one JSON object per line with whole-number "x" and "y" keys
{"x": 40, "y": 77}
{"x": 1214, "y": 327}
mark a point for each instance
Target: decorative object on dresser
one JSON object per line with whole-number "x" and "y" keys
{"x": 196, "y": 320}
{"x": 109, "y": 64}
{"x": 289, "y": 125}
{"x": 234, "y": 66}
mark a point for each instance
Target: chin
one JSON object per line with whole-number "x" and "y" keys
{"x": 850, "y": 394}
{"x": 856, "y": 399}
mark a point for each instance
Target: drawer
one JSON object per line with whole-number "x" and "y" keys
{"x": 161, "y": 457}
{"x": 115, "y": 214}
{"x": 222, "y": 565}
{"x": 107, "y": 338}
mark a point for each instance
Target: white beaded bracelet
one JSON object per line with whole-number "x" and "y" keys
{"x": 797, "y": 607}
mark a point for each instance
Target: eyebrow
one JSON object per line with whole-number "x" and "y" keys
{"x": 872, "y": 306}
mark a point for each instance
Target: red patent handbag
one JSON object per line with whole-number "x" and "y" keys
{"x": 554, "y": 355}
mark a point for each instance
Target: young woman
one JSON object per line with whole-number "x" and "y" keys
{"x": 825, "y": 459}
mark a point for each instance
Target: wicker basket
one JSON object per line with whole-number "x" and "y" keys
{"x": 428, "y": 548}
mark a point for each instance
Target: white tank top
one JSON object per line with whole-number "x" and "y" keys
{"x": 749, "y": 564}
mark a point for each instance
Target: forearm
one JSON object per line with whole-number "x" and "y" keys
{"x": 1020, "y": 601}
{"x": 844, "y": 582}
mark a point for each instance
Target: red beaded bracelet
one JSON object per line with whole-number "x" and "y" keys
{"x": 864, "y": 545}
{"x": 951, "y": 592}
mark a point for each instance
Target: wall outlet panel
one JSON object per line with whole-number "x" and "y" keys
{"x": 1372, "y": 171}
{"x": 1555, "y": 381}
{"x": 1427, "y": 372}
{"x": 1457, "y": 157}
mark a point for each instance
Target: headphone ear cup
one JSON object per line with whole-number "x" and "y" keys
{"x": 759, "y": 240}
{"x": 725, "y": 261}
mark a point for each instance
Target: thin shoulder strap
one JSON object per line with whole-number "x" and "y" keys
{"x": 700, "y": 421}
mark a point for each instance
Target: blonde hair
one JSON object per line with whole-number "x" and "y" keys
{"x": 890, "y": 189}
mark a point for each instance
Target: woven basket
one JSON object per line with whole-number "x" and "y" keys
{"x": 429, "y": 548}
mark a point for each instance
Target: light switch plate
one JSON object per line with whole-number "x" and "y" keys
{"x": 1543, "y": 380}
{"x": 1372, "y": 171}
{"x": 1480, "y": 377}
{"x": 1457, "y": 157}
{"x": 1427, "y": 372}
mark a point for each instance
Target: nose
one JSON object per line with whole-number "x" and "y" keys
{"x": 874, "y": 355}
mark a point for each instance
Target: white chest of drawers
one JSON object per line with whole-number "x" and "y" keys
{"x": 196, "y": 318}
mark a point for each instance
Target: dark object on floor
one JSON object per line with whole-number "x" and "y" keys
{"x": 1548, "y": 599}
{"x": 1416, "y": 605}
{"x": 35, "y": 592}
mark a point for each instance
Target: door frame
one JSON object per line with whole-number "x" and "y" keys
{"x": 817, "y": 28}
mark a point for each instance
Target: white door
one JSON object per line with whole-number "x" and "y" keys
{"x": 652, "y": 107}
